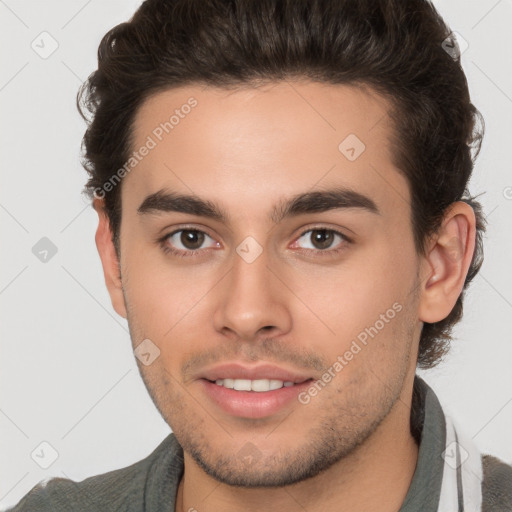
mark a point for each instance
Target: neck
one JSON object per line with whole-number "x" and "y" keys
{"x": 375, "y": 476}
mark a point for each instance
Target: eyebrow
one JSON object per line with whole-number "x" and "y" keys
{"x": 309, "y": 202}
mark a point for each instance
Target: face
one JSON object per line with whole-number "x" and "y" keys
{"x": 292, "y": 275}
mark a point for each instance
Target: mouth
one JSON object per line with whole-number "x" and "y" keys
{"x": 252, "y": 392}
{"x": 256, "y": 385}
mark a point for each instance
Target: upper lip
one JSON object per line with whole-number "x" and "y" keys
{"x": 239, "y": 371}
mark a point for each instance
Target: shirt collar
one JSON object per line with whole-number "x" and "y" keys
{"x": 429, "y": 427}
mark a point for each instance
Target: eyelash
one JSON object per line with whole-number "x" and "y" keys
{"x": 186, "y": 254}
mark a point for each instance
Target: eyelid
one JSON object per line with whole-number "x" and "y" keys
{"x": 323, "y": 227}
{"x": 344, "y": 239}
{"x": 165, "y": 237}
{"x": 164, "y": 232}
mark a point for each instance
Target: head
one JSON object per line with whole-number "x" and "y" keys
{"x": 324, "y": 148}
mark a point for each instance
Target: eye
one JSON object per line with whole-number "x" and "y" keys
{"x": 185, "y": 242}
{"x": 322, "y": 239}
{"x": 190, "y": 242}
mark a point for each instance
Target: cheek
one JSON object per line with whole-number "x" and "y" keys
{"x": 166, "y": 300}
{"x": 367, "y": 299}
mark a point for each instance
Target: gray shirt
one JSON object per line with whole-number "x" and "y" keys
{"x": 150, "y": 485}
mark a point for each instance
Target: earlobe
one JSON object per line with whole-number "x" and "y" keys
{"x": 447, "y": 263}
{"x": 109, "y": 259}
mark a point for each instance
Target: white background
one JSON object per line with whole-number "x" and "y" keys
{"x": 68, "y": 375}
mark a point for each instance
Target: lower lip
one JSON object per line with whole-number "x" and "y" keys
{"x": 252, "y": 404}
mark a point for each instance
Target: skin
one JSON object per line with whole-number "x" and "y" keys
{"x": 297, "y": 305}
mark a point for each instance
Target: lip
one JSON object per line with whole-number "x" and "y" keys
{"x": 252, "y": 404}
{"x": 239, "y": 371}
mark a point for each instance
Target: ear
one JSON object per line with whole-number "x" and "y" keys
{"x": 447, "y": 262}
{"x": 109, "y": 259}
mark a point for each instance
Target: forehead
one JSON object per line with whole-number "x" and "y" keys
{"x": 254, "y": 144}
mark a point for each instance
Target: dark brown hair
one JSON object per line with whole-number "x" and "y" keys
{"x": 395, "y": 47}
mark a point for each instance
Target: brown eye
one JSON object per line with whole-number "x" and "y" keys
{"x": 187, "y": 240}
{"x": 191, "y": 239}
{"x": 321, "y": 239}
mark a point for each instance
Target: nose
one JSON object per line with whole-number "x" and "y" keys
{"x": 253, "y": 301}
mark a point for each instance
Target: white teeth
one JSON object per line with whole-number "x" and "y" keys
{"x": 258, "y": 385}
{"x": 242, "y": 385}
{"x": 276, "y": 384}
{"x": 229, "y": 383}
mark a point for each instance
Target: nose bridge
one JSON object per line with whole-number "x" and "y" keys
{"x": 250, "y": 273}
{"x": 253, "y": 298}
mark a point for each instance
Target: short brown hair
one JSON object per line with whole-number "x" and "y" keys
{"x": 393, "y": 46}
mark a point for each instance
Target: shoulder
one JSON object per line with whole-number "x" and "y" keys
{"x": 121, "y": 489}
{"x": 496, "y": 485}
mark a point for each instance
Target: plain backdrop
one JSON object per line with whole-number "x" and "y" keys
{"x": 68, "y": 375}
